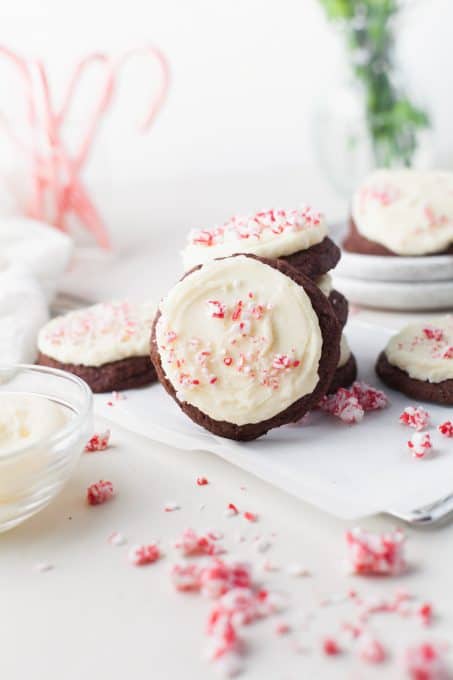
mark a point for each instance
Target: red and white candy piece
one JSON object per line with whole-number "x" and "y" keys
{"x": 100, "y": 492}
{"x": 191, "y": 544}
{"x": 375, "y": 553}
{"x": 415, "y": 416}
{"x": 139, "y": 555}
{"x": 98, "y": 442}
{"x": 426, "y": 661}
{"x": 420, "y": 444}
{"x": 446, "y": 429}
{"x": 371, "y": 650}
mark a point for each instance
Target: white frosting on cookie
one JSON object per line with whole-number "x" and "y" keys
{"x": 239, "y": 340}
{"x": 408, "y": 211}
{"x": 424, "y": 350}
{"x": 97, "y": 335}
{"x": 270, "y": 233}
{"x": 345, "y": 351}
{"x": 325, "y": 283}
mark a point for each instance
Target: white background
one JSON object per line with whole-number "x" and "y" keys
{"x": 246, "y": 77}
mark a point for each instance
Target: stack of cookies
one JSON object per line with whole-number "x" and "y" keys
{"x": 399, "y": 245}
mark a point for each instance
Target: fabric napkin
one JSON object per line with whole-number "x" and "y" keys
{"x": 33, "y": 257}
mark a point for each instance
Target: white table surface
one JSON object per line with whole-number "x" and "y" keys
{"x": 96, "y": 616}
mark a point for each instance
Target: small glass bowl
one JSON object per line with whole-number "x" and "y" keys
{"x": 32, "y": 476}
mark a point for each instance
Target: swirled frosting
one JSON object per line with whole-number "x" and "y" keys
{"x": 239, "y": 340}
{"x": 269, "y": 233}
{"x": 410, "y": 212}
{"x": 97, "y": 335}
{"x": 424, "y": 350}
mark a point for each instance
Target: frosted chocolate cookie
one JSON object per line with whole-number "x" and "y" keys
{"x": 107, "y": 345}
{"x": 297, "y": 236}
{"x": 337, "y": 300}
{"x": 245, "y": 344}
{"x": 402, "y": 212}
{"x": 418, "y": 361}
{"x": 346, "y": 372}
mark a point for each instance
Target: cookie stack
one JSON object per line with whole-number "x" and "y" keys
{"x": 298, "y": 237}
{"x": 399, "y": 245}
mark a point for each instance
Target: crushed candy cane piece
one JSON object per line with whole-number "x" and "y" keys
{"x": 371, "y": 650}
{"x": 100, "y": 492}
{"x": 250, "y": 516}
{"x": 420, "y": 444}
{"x": 186, "y": 577}
{"x": 369, "y": 398}
{"x": 432, "y": 333}
{"x": 98, "y": 442}
{"x": 117, "y": 539}
{"x": 425, "y": 613}
{"x": 43, "y": 567}
{"x": 202, "y": 481}
{"x": 330, "y": 647}
{"x": 446, "y": 428}
{"x": 415, "y": 416}
{"x": 282, "y": 628}
{"x": 191, "y": 544}
{"x": 171, "y": 507}
{"x": 375, "y": 553}
{"x": 231, "y": 510}
{"x": 139, "y": 555}
{"x": 344, "y": 405}
{"x": 426, "y": 661}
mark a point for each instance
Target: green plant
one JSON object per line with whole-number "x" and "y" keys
{"x": 393, "y": 120}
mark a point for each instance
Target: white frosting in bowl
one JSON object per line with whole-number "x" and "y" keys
{"x": 26, "y": 420}
{"x": 239, "y": 340}
{"x": 97, "y": 335}
{"x": 424, "y": 350}
{"x": 410, "y": 212}
{"x": 270, "y": 233}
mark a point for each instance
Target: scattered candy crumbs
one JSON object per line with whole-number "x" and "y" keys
{"x": 98, "y": 442}
{"x": 100, "y": 492}
{"x": 139, "y": 555}
{"x": 192, "y": 544}
{"x": 446, "y": 428}
{"x": 371, "y": 650}
{"x": 420, "y": 444}
{"x": 42, "y": 567}
{"x": 250, "y": 516}
{"x": 171, "y": 507}
{"x": 117, "y": 539}
{"x": 231, "y": 510}
{"x": 350, "y": 405}
{"x": 415, "y": 416}
{"x": 202, "y": 481}
{"x": 375, "y": 553}
{"x": 425, "y": 613}
{"x": 426, "y": 661}
{"x": 116, "y": 396}
{"x": 330, "y": 647}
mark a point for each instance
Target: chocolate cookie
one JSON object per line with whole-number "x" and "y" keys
{"x": 420, "y": 390}
{"x": 344, "y": 375}
{"x": 418, "y": 361}
{"x": 317, "y": 260}
{"x": 237, "y": 314}
{"x": 340, "y": 307}
{"x": 106, "y": 345}
{"x": 125, "y": 374}
{"x": 356, "y": 243}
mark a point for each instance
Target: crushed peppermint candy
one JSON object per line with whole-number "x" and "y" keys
{"x": 117, "y": 539}
{"x": 330, "y": 647}
{"x": 202, "y": 481}
{"x": 250, "y": 516}
{"x": 415, "y": 416}
{"x": 98, "y": 442}
{"x": 139, "y": 555}
{"x": 371, "y": 650}
{"x": 426, "y": 661}
{"x": 446, "y": 429}
{"x": 191, "y": 544}
{"x": 420, "y": 444}
{"x": 425, "y": 613}
{"x": 375, "y": 553}
{"x": 100, "y": 492}
{"x": 343, "y": 405}
{"x": 231, "y": 510}
{"x": 369, "y": 398}
{"x": 432, "y": 333}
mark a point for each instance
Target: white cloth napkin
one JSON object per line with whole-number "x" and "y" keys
{"x": 33, "y": 257}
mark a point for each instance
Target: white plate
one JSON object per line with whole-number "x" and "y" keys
{"x": 437, "y": 295}
{"x": 349, "y": 471}
{"x": 380, "y": 268}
